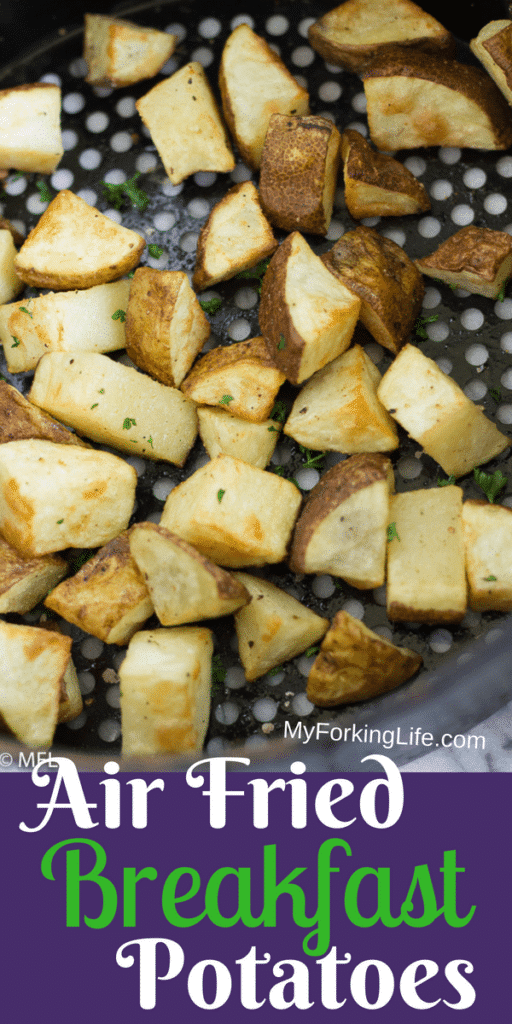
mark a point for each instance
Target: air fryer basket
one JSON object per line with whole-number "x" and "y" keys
{"x": 465, "y": 678}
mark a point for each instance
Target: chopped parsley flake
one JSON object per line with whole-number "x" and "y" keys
{"x": 447, "y": 482}
{"x": 218, "y": 670}
{"x": 155, "y": 251}
{"x": 226, "y": 399}
{"x": 255, "y": 273}
{"x": 119, "y": 315}
{"x": 129, "y": 423}
{"x": 490, "y": 483}
{"x": 281, "y": 343}
{"x": 278, "y": 412}
{"x": 274, "y": 430}
{"x": 392, "y": 532}
{"x": 15, "y": 341}
{"x": 23, "y": 309}
{"x": 118, "y": 194}
{"x": 311, "y": 651}
{"x": 501, "y": 296}
{"x": 95, "y": 406}
{"x": 220, "y": 495}
{"x": 211, "y": 305}
{"x": 420, "y": 324}
{"x": 490, "y": 579}
{"x": 150, "y": 440}
{"x": 495, "y": 393}
{"x": 44, "y": 191}
{"x": 59, "y": 521}
{"x": 312, "y": 461}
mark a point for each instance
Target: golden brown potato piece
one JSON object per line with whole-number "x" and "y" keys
{"x": 184, "y": 585}
{"x": 426, "y": 578}
{"x": 298, "y": 174}
{"x": 254, "y": 84}
{"x": 377, "y": 185}
{"x": 493, "y": 47}
{"x": 487, "y": 532}
{"x": 165, "y": 325}
{"x": 73, "y": 245}
{"x": 185, "y": 124}
{"x": 73, "y": 321}
{"x": 10, "y": 284}
{"x": 338, "y": 409}
{"x": 20, "y": 420}
{"x": 358, "y": 31}
{"x": 233, "y": 513}
{"x": 305, "y": 320}
{"x": 165, "y": 690}
{"x": 273, "y": 628}
{"x": 355, "y": 664}
{"x": 71, "y": 703}
{"x": 236, "y": 236}
{"x": 120, "y": 53}
{"x": 30, "y": 136}
{"x": 116, "y": 405}
{"x": 24, "y": 582}
{"x": 386, "y": 281}
{"x": 240, "y": 377}
{"x": 343, "y": 527}
{"x": 418, "y": 99}
{"x": 17, "y": 237}
{"x": 107, "y": 597}
{"x": 437, "y": 414}
{"x": 55, "y": 496}
{"x": 477, "y": 259}
{"x": 34, "y": 662}
{"x": 225, "y": 434}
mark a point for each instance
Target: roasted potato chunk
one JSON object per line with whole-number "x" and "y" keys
{"x": 437, "y": 413}
{"x": 306, "y": 322}
{"x": 10, "y": 284}
{"x": 183, "y": 584}
{"x": 30, "y": 136}
{"x": 233, "y": 513}
{"x": 418, "y": 99}
{"x": 107, "y": 597}
{"x": 254, "y": 84}
{"x": 358, "y": 31}
{"x": 493, "y": 47}
{"x": 426, "y": 578}
{"x": 20, "y": 420}
{"x": 298, "y": 174}
{"x": 488, "y": 543}
{"x": 116, "y": 405}
{"x": 120, "y": 53}
{"x": 236, "y": 236}
{"x": 74, "y": 321}
{"x": 477, "y": 259}
{"x": 273, "y": 628}
{"x": 338, "y": 409}
{"x": 185, "y": 124}
{"x": 377, "y": 185}
{"x": 386, "y": 281}
{"x": 165, "y": 325}
{"x": 355, "y": 664}
{"x": 56, "y": 496}
{"x": 225, "y": 434}
{"x": 165, "y": 691}
{"x": 34, "y": 662}
{"x": 24, "y": 582}
{"x": 343, "y": 527}
{"x": 73, "y": 245}
{"x": 240, "y": 377}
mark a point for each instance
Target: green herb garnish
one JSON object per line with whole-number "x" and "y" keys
{"x": 150, "y": 440}
{"x": 281, "y": 343}
{"x": 275, "y": 670}
{"x": 420, "y": 324}
{"x": 226, "y": 399}
{"x": 218, "y": 670}
{"x": 44, "y": 191}
{"x": 211, "y": 305}
{"x": 155, "y": 251}
{"x": 15, "y": 341}
{"x": 220, "y": 495}
{"x": 274, "y": 430}
{"x": 501, "y": 295}
{"x": 278, "y": 412}
{"x": 447, "y": 482}
{"x": 255, "y": 273}
{"x": 95, "y": 406}
{"x": 119, "y": 315}
{"x": 129, "y": 423}
{"x": 311, "y": 461}
{"x": 118, "y": 194}
{"x": 495, "y": 393}
{"x": 311, "y": 651}
{"x": 23, "y": 309}
{"x": 59, "y": 521}
{"x": 490, "y": 483}
{"x": 490, "y": 579}
{"x": 392, "y": 532}
{"x": 81, "y": 559}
